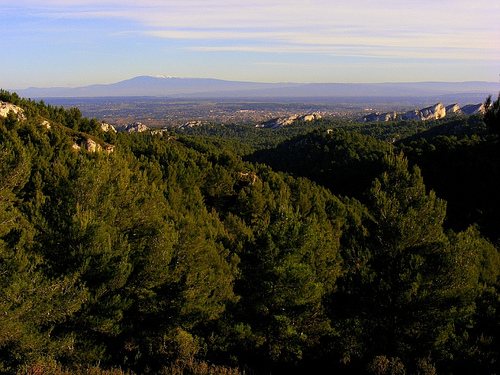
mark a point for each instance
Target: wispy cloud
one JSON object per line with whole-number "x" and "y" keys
{"x": 401, "y": 28}
{"x": 377, "y": 51}
{"x": 423, "y": 32}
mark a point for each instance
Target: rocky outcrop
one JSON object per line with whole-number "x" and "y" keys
{"x": 471, "y": 109}
{"x": 453, "y": 109}
{"x": 285, "y": 121}
{"x": 249, "y": 177}
{"x": 87, "y": 144}
{"x": 276, "y": 123}
{"x": 434, "y": 112}
{"x": 135, "y": 127}
{"x": 46, "y": 124}
{"x": 5, "y": 108}
{"x": 191, "y": 124}
{"x": 109, "y": 148}
{"x": 105, "y": 127}
{"x": 90, "y": 145}
{"x": 377, "y": 116}
{"x": 164, "y": 132}
{"x": 310, "y": 117}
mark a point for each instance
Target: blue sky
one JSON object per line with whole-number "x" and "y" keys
{"x": 72, "y": 43}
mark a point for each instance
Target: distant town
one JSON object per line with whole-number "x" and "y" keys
{"x": 165, "y": 113}
{"x": 156, "y": 112}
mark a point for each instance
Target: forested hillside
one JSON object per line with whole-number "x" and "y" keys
{"x": 330, "y": 252}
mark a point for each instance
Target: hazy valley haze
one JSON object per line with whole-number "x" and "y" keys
{"x": 213, "y": 88}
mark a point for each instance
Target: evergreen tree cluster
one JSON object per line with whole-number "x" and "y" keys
{"x": 174, "y": 255}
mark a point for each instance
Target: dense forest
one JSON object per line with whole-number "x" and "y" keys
{"x": 331, "y": 247}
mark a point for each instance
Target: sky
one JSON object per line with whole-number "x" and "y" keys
{"x": 71, "y": 43}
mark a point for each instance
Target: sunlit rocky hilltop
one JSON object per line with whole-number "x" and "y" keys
{"x": 434, "y": 112}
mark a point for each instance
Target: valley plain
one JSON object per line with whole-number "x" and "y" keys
{"x": 165, "y": 112}
{"x": 163, "y": 101}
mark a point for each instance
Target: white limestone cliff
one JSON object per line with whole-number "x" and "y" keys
{"x": 5, "y": 108}
{"x": 136, "y": 127}
{"x": 285, "y": 121}
{"x": 105, "y": 127}
{"x": 471, "y": 109}
{"x": 453, "y": 109}
{"x": 434, "y": 112}
{"x": 377, "y": 117}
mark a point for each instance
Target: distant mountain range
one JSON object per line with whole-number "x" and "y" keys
{"x": 204, "y": 88}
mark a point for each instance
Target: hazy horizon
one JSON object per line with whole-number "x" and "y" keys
{"x": 246, "y": 81}
{"x": 75, "y": 43}
{"x": 175, "y": 87}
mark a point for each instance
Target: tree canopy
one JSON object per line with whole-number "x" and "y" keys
{"x": 331, "y": 250}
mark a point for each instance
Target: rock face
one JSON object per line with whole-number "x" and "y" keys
{"x": 311, "y": 117}
{"x": 105, "y": 127}
{"x": 248, "y": 177}
{"x": 87, "y": 144}
{"x": 136, "y": 127}
{"x": 453, "y": 108}
{"x": 92, "y": 146}
{"x": 5, "y": 108}
{"x": 46, "y": 124}
{"x": 191, "y": 124}
{"x": 285, "y": 121}
{"x": 434, "y": 112}
{"x": 471, "y": 109}
{"x": 376, "y": 117}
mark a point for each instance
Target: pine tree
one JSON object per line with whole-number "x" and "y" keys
{"x": 492, "y": 115}
{"x": 412, "y": 282}
{"x": 30, "y": 303}
{"x": 287, "y": 268}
